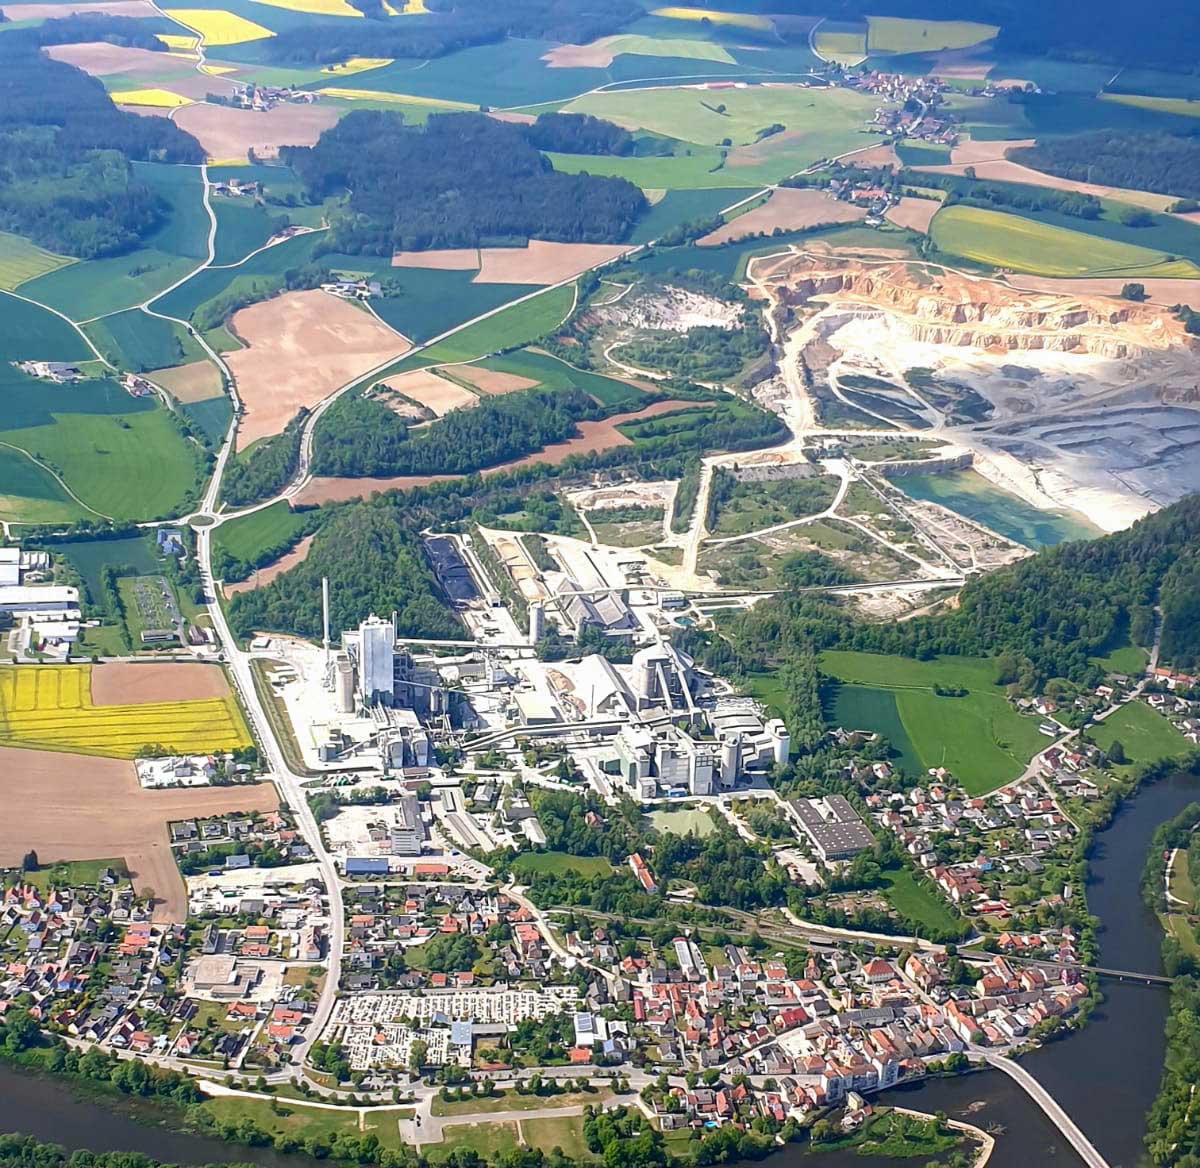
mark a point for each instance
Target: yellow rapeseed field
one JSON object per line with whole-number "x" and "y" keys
{"x": 314, "y": 7}
{"x": 173, "y": 41}
{"x": 158, "y": 98}
{"x": 394, "y": 98}
{"x": 357, "y": 65}
{"x": 50, "y": 708}
{"x": 219, "y": 27}
{"x": 737, "y": 19}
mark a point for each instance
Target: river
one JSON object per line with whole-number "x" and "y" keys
{"x": 1106, "y": 1076}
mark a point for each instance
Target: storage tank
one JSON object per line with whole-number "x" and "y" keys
{"x": 344, "y": 684}
{"x": 731, "y": 753}
{"x": 781, "y": 741}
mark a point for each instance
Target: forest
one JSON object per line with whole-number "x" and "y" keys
{"x": 704, "y": 353}
{"x": 461, "y": 180}
{"x": 578, "y": 134}
{"x": 1168, "y": 164}
{"x": 359, "y": 437}
{"x": 265, "y": 468}
{"x": 449, "y": 26}
{"x": 65, "y": 149}
{"x": 1172, "y": 1137}
{"x": 374, "y": 563}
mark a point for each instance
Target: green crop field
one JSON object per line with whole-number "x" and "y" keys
{"x": 555, "y": 374}
{"x": 242, "y": 226}
{"x": 1182, "y": 106}
{"x": 979, "y": 737}
{"x": 135, "y": 556}
{"x": 29, "y": 332}
{"x": 30, "y": 494}
{"x": 95, "y": 287}
{"x": 845, "y": 44}
{"x": 21, "y": 260}
{"x": 137, "y": 341}
{"x": 678, "y": 207}
{"x": 125, "y": 460}
{"x": 211, "y": 417}
{"x": 891, "y": 34}
{"x": 922, "y": 154}
{"x": 508, "y": 329}
{"x": 1144, "y": 733}
{"x": 651, "y": 46}
{"x": 1008, "y": 241}
{"x": 246, "y": 538}
{"x": 708, "y": 118}
{"x": 689, "y": 168}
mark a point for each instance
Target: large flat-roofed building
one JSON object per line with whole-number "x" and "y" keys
{"x": 833, "y": 826}
{"x": 408, "y": 832}
{"x": 23, "y": 600}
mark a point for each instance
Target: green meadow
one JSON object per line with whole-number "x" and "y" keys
{"x": 979, "y": 737}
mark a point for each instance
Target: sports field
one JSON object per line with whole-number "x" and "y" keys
{"x": 21, "y": 260}
{"x": 1008, "y": 241}
{"x": 50, "y": 708}
{"x": 979, "y": 737}
{"x": 893, "y": 34}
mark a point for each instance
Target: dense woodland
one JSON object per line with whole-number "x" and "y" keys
{"x": 65, "y": 149}
{"x": 265, "y": 468}
{"x": 1168, "y": 164}
{"x": 374, "y": 563}
{"x": 705, "y": 353}
{"x": 462, "y": 180}
{"x": 578, "y": 134}
{"x": 357, "y": 436}
{"x": 450, "y": 25}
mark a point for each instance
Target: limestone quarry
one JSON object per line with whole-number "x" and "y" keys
{"x": 1085, "y": 402}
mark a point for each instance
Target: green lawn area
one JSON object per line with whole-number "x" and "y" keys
{"x": 1122, "y": 656}
{"x": 768, "y": 689}
{"x": 246, "y": 538}
{"x": 979, "y": 737}
{"x": 921, "y": 905}
{"x": 565, "y": 1133}
{"x": 485, "y": 1139}
{"x": 510, "y": 328}
{"x": 682, "y": 820}
{"x": 1001, "y": 240}
{"x": 892, "y": 34}
{"x": 1181, "y": 929}
{"x": 511, "y": 1101}
{"x": 297, "y": 1120}
{"x": 137, "y": 341}
{"x": 1182, "y": 884}
{"x": 77, "y": 872}
{"x": 531, "y": 863}
{"x": 21, "y": 260}
{"x": 1144, "y": 733}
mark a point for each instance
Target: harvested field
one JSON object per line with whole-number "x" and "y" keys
{"x": 913, "y": 213}
{"x": 70, "y": 808}
{"x": 264, "y": 576}
{"x": 542, "y": 262}
{"x": 1157, "y": 291}
{"x": 962, "y": 64}
{"x": 513, "y": 117}
{"x": 491, "y": 381}
{"x": 449, "y": 259}
{"x": 884, "y": 155}
{"x": 135, "y": 8}
{"x": 233, "y": 133}
{"x": 601, "y": 53}
{"x": 50, "y": 707}
{"x": 788, "y": 210}
{"x": 318, "y": 491}
{"x": 1003, "y": 170}
{"x": 433, "y": 392}
{"x": 99, "y": 59}
{"x": 592, "y": 437}
{"x": 300, "y": 347}
{"x": 124, "y": 683}
{"x": 195, "y": 382}
{"x": 971, "y": 153}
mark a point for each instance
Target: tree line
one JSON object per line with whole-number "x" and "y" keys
{"x": 1148, "y": 160}
{"x": 461, "y": 180}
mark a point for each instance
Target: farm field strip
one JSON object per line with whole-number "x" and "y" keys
{"x": 50, "y": 707}
{"x": 21, "y": 260}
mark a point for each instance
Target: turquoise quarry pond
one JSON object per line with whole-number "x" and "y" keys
{"x": 970, "y": 494}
